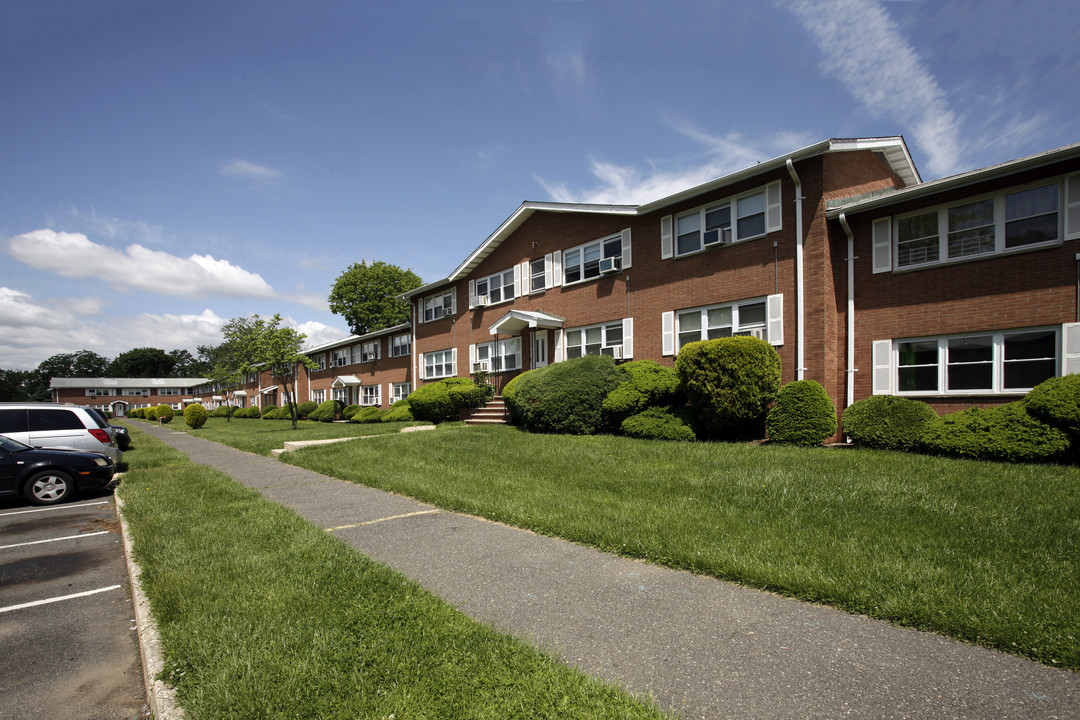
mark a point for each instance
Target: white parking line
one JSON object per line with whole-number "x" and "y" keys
{"x": 58, "y": 599}
{"x": 39, "y": 542}
{"x": 58, "y": 507}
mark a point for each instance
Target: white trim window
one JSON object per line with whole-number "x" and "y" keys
{"x": 342, "y": 395}
{"x": 370, "y": 395}
{"x": 594, "y": 340}
{"x": 499, "y": 355}
{"x": 340, "y": 357}
{"x": 720, "y": 321}
{"x": 400, "y": 345}
{"x": 102, "y": 392}
{"x": 399, "y": 391}
{"x": 496, "y": 288}
{"x": 539, "y": 272}
{"x": 1006, "y": 221}
{"x": 369, "y": 351}
{"x": 318, "y": 396}
{"x": 439, "y": 364}
{"x": 320, "y": 360}
{"x": 436, "y": 307}
{"x": 583, "y": 262}
{"x": 137, "y": 392}
{"x": 987, "y": 363}
{"x": 735, "y": 219}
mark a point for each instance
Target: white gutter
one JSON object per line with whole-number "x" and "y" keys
{"x": 849, "y": 375}
{"x": 800, "y": 329}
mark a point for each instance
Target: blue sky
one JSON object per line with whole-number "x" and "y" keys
{"x": 166, "y": 166}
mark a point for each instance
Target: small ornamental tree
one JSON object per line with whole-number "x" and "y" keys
{"x": 804, "y": 414}
{"x": 729, "y": 384}
{"x": 195, "y": 416}
{"x": 165, "y": 413}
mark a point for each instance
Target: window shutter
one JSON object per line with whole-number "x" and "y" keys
{"x": 453, "y": 361}
{"x": 667, "y": 240}
{"x": 556, "y": 268}
{"x": 560, "y": 347}
{"x": 1072, "y": 207}
{"x": 626, "y": 248}
{"x": 472, "y": 294}
{"x": 420, "y": 368}
{"x": 453, "y": 301}
{"x": 549, "y": 271}
{"x": 882, "y": 350}
{"x": 472, "y": 356}
{"x": 628, "y": 339}
{"x": 667, "y": 333}
{"x": 519, "y": 276}
{"x": 775, "y": 319}
{"x": 883, "y": 245}
{"x": 773, "y": 211}
{"x": 1070, "y": 348}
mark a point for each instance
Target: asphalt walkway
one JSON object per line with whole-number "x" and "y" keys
{"x": 701, "y": 647}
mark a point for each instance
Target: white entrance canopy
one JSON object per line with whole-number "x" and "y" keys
{"x": 513, "y": 322}
{"x": 345, "y": 381}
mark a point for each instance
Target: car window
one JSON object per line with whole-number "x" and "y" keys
{"x": 42, "y": 420}
{"x": 97, "y": 417}
{"x": 12, "y": 421}
{"x": 12, "y": 445}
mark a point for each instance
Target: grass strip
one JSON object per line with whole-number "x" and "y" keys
{"x": 263, "y": 615}
{"x": 262, "y": 436}
{"x": 985, "y": 552}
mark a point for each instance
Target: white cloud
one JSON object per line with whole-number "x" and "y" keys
{"x": 866, "y": 52}
{"x": 247, "y": 170}
{"x": 114, "y": 228}
{"x": 73, "y": 255}
{"x": 18, "y": 310}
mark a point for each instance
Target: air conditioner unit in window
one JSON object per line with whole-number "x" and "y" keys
{"x": 479, "y": 300}
{"x": 719, "y": 236}
{"x": 610, "y": 265}
{"x": 759, "y": 333}
{"x": 481, "y": 366}
{"x": 616, "y": 352}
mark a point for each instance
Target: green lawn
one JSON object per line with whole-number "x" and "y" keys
{"x": 262, "y": 436}
{"x": 264, "y": 615}
{"x": 981, "y": 551}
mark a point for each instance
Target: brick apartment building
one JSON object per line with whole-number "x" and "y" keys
{"x": 121, "y": 395}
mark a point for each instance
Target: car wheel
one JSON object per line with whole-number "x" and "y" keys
{"x": 49, "y": 487}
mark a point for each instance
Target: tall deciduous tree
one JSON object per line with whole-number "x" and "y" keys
{"x": 79, "y": 364}
{"x": 144, "y": 362}
{"x": 367, "y": 296}
{"x": 265, "y": 345}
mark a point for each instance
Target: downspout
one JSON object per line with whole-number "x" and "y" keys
{"x": 849, "y": 376}
{"x": 800, "y": 331}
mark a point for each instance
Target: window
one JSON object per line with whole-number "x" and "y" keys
{"x": 594, "y": 340}
{"x": 100, "y": 392}
{"x": 369, "y": 351}
{"x": 583, "y": 262}
{"x": 137, "y": 392}
{"x": 341, "y": 395}
{"x": 320, "y": 360}
{"x": 369, "y": 394}
{"x": 500, "y": 355}
{"x": 719, "y": 321}
{"x": 439, "y": 364}
{"x": 438, "y": 306}
{"x": 987, "y": 363}
{"x": 496, "y": 288}
{"x": 537, "y": 274}
{"x": 988, "y": 225}
{"x": 733, "y": 219}
{"x": 399, "y": 391}
{"x": 172, "y": 391}
{"x": 340, "y": 357}
{"x": 318, "y": 396}
{"x": 400, "y": 345}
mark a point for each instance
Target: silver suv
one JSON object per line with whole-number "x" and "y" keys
{"x": 54, "y": 425}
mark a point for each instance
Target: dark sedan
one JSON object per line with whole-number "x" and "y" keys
{"x": 49, "y": 476}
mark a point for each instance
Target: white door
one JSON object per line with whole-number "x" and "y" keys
{"x": 539, "y": 351}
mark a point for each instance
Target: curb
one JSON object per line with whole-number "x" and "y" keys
{"x": 161, "y": 697}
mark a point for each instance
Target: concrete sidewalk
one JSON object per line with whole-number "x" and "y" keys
{"x": 701, "y": 647}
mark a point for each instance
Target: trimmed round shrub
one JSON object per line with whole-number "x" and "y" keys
{"x": 804, "y": 414}
{"x": 150, "y": 414}
{"x": 441, "y": 401}
{"x": 220, "y": 411}
{"x": 729, "y": 384}
{"x": 398, "y": 412}
{"x": 266, "y": 412}
{"x": 195, "y": 416}
{"x": 328, "y": 411}
{"x": 165, "y": 413}
{"x": 650, "y": 384}
{"x": 509, "y": 396}
{"x": 657, "y": 423}
{"x": 349, "y": 411}
{"x": 568, "y": 397}
{"x": 1056, "y": 402}
{"x": 1007, "y": 434}
{"x": 304, "y": 409}
{"x": 367, "y": 415}
{"x": 887, "y": 422}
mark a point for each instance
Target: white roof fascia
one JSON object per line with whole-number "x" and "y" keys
{"x": 971, "y": 177}
{"x": 353, "y": 339}
{"x": 124, "y": 382}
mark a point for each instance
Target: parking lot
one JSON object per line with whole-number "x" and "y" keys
{"x": 66, "y": 621}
